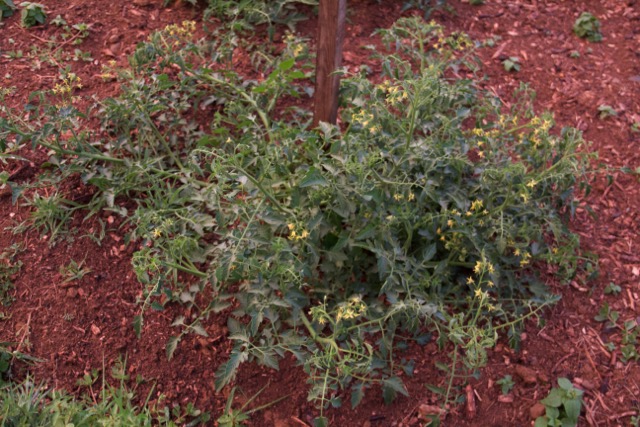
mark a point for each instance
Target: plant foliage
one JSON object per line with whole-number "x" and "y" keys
{"x": 428, "y": 213}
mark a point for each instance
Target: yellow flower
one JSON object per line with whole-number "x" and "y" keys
{"x": 291, "y": 227}
{"x": 516, "y": 252}
{"x": 322, "y": 320}
{"x": 411, "y": 197}
{"x": 532, "y": 183}
{"x": 451, "y": 223}
{"x": 490, "y": 284}
{"x": 525, "y": 197}
{"x": 476, "y": 205}
{"x": 469, "y": 280}
{"x": 490, "y": 268}
{"x": 156, "y": 232}
{"x": 398, "y": 197}
{"x": 478, "y": 293}
{"x": 478, "y": 268}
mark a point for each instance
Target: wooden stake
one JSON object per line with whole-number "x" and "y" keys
{"x": 331, "y": 20}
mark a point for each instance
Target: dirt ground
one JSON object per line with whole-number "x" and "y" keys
{"x": 79, "y": 326}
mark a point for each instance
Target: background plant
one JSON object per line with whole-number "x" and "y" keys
{"x": 32, "y": 14}
{"x": 562, "y": 405}
{"x": 587, "y": 26}
{"x": 7, "y": 8}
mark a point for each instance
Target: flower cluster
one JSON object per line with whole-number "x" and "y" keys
{"x": 353, "y": 308}
{"x": 185, "y": 30}
{"x": 65, "y": 90}
{"x": 297, "y": 234}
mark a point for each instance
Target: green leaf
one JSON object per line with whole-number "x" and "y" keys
{"x": 227, "y": 371}
{"x": 553, "y": 400}
{"x": 198, "y": 329}
{"x": 313, "y": 178}
{"x": 396, "y": 384}
{"x": 434, "y": 389}
{"x": 357, "y": 393}
{"x": 172, "y": 344}
{"x": 565, "y": 384}
{"x": 541, "y": 422}
{"x": 287, "y": 64}
{"x": 137, "y": 325}
{"x": 572, "y": 409}
{"x": 321, "y": 422}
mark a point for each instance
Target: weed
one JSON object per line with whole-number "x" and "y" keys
{"x": 613, "y": 289}
{"x": 7, "y": 8}
{"x": 50, "y": 214}
{"x": 606, "y": 111}
{"x": 629, "y": 344}
{"x": 587, "y": 27}
{"x": 427, "y": 6}
{"x": 511, "y": 64}
{"x": 28, "y": 404}
{"x": 32, "y": 14}
{"x": 237, "y": 417}
{"x": 562, "y": 406}
{"x": 73, "y": 271}
{"x": 244, "y": 15}
{"x": 7, "y": 359}
{"x": 9, "y": 266}
{"x": 506, "y": 383}
{"x": 607, "y": 315}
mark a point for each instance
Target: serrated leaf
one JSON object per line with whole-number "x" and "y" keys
{"x": 429, "y": 252}
{"x": 227, "y": 371}
{"x": 313, "y": 178}
{"x": 434, "y": 389}
{"x": 269, "y": 360}
{"x": 172, "y": 344}
{"x": 157, "y": 306}
{"x": 357, "y": 393}
{"x": 137, "y": 325}
{"x": 368, "y": 232}
{"x": 198, "y": 329}
{"x": 396, "y": 384}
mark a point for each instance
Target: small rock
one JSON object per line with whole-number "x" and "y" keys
{"x": 427, "y": 412}
{"x": 72, "y": 292}
{"x": 537, "y": 410}
{"x": 115, "y": 38}
{"x": 528, "y": 375}
{"x": 505, "y": 398}
{"x": 95, "y": 330}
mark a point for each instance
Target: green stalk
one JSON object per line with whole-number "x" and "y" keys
{"x": 318, "y": 338}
